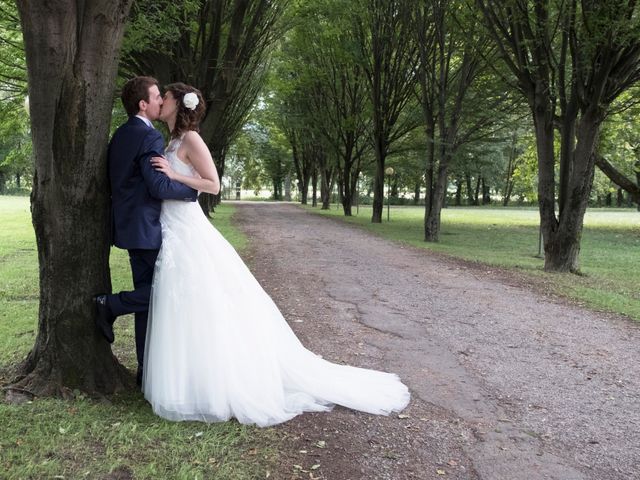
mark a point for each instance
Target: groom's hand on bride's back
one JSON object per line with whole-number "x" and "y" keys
{"x": 160, "y": 185}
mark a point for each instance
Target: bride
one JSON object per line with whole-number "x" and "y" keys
{"x": 217, "y": 346}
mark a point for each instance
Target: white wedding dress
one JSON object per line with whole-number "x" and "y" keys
{"x": 217, "y": 346}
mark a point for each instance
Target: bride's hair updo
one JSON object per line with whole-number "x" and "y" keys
{"x": 186, "y": 118}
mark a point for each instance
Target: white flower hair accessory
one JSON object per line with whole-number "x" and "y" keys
{"x": 190, "y": 100}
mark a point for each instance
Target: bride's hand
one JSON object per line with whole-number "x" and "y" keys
{"x": 162, "y": 165}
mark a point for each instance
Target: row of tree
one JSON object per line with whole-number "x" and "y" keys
{"x": 461, "y": 81}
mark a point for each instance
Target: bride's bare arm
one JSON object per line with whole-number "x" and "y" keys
{"x": 197, "y": 153}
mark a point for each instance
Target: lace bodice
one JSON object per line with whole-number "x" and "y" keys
{"x": 178, "y": 165}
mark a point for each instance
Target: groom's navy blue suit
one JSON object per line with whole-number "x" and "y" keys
{"x": 137, "y": 191}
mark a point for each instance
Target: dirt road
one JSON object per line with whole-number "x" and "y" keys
{"x": 506, "y": 383}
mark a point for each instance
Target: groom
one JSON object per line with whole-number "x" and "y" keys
{"x": 137, "y": 191}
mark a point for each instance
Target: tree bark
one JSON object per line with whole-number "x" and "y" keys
{"x": 72, "y": 51}
{"x": 562, "y": 235}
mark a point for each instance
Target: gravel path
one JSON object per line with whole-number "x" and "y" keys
{"x": 506, "y": 383}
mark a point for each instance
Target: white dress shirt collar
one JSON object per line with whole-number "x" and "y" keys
{"x": 145, "y": 120}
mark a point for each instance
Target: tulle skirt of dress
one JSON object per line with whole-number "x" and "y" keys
{"x": 218, "y": 347}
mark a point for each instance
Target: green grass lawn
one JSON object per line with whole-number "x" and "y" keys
{"x": 508, "y": 237}
{"x": 119, "y": 437}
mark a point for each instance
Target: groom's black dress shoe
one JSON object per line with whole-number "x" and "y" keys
{"x": 104, "y": 317}
{"x": 139, "y": 377}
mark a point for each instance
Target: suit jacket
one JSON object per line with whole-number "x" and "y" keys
{"x": 137, "y": 189}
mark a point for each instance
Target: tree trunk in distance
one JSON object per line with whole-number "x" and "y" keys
{"x": 458, "y": 198}
{"x": 314, "y": 183}
{"x": 378, "y": 186}
{"x": 287, "y": 187}
{"x": 469, "y": 189}
{"x": 433, "y": 213}
{"x": 486, "y": 193}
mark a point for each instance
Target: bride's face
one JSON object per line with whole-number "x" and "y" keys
{"x": 169, "y": 107}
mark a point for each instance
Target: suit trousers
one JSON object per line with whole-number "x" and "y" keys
{"x": 136, "y": 301}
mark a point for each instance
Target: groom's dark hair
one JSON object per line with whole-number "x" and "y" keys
{"x": 135, "y": 90}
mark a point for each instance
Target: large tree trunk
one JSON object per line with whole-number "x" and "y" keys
{"x": 562, "y": 233}
{"x": 543, "y": 123}
{"x": 71, "y": 51}
{"x": 564, "y": 245}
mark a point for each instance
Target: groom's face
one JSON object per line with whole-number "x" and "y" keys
{"x": 151, "y": 108}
